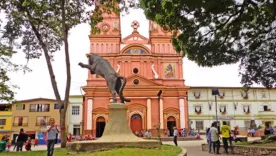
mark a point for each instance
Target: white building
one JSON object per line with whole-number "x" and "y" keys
{"x": 74, "y": 115}
{"x": 233, "y": 105}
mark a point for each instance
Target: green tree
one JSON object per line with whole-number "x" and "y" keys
{"x": 217, "y": 32}
{"x": 6, "y": 93}
{"x": 42, "y": 26}
{"x": 7, "y": 66}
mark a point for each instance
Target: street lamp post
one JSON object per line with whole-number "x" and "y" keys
{"x": 159, "y": 122}
{"x": 215, "y": 92}
{"x": 235, "y": 108}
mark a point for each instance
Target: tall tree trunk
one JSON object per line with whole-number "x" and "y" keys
{"x": 62, "y": 104}
{"x": 48, "y": 60}
{"x": 63, "y": 135}
{"x": 65, "y": 28}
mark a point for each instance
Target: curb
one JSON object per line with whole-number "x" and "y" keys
{"x": 183, "y": 153}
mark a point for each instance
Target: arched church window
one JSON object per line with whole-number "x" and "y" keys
{"x": 136, "y": 51}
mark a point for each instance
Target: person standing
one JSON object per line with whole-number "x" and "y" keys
{"x": 225, "y": 131}
{"x": 69, "y": 139}
{"x": 175, "y": 133}
{"x": 15, "y": 143}
{"x": 52, "y": 130}
{"x": 208, "y": 136}
{"x": 271, "y": 129}
{"x": 215, "y": 138}
{"x": 267, "y": 130}
{"x": 21, "y": 140}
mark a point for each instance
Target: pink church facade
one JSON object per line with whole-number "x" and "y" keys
{"x": 150, "y": 65}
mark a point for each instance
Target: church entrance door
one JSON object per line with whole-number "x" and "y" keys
{"x": 136, "y": 123}
{"x": 100, "y": 124}
{"x": 171, "y": 122}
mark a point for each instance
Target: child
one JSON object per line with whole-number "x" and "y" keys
{"x": 28, "y": 144}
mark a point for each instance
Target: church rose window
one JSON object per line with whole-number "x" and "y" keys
{"x": 136, "y": 51}
{"x": 135, "y": 70}
{"x": 136, "y": 81}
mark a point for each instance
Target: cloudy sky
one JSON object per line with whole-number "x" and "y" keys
{"x": 37, "y": 83}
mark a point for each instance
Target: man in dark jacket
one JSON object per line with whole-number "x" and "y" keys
{"x": 21, "y": 140}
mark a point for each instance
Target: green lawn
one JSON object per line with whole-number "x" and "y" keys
{"x": 167, "y": 150}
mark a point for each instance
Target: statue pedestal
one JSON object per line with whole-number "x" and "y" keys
{"x": 116, "y": 134}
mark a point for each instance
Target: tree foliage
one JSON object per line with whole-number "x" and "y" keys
{"x": 6, "y": 93}
{"x": 42, "y": 26}
{"x": 217, "y": 32}
{"x": 6, "y": 67}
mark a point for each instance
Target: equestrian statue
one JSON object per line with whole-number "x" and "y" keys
{"x": 100, "y": 66}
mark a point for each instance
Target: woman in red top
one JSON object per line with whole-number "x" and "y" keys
{"x": 89, "y": 137}
{"x": 69, "y": 138}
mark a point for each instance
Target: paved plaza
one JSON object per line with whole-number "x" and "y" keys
{"x": 193, "y": 147}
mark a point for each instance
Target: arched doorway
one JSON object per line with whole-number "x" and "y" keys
{"x": 136, "y": 123}
{"x": 171, "y": 122}
{"x": 100, "y": 124}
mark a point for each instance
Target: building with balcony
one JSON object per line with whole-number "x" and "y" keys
{"x": 234, "y": 105}
{"x": 33, "y": 115}
{"x": 5, "y": 119}
{"x": 74, "y": 115}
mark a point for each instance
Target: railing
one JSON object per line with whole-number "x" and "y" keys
{"x": 20, "y": 124}
{"x": 40, "y": 110}
{"x": 41, "y": 124}
{"x": 266, "y": 111}
{"x": 5, "y": 113}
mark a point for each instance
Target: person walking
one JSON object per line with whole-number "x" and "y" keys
{"x": 225, "y": 131}
{"x": 21, "y": 139}
{"x": 208, "y": 136}
{"x": 215, "y": 138}
{"x": 175, "y": 133}
{"x": 52, "y": 130}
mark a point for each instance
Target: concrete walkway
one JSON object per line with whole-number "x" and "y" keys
{"x": 193, "y": 147}
{"x": 36, "y": 148}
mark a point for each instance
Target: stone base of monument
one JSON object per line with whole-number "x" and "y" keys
{"x": 116, "y": 134}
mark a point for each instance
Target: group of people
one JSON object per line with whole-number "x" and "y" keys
{"x": 21, "y": 140}
{"x": 143, "y": 133}
{"x": 4, "y": 144}
{"x": 268, "y": 130}
{"x": 72, "y": 138}
{"x": 213, "y": 137}
{"x": 24, "y": 139}
{"x": 184, "y": 132}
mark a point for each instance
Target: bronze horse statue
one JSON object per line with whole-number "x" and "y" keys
{"x": 115, "y": 83}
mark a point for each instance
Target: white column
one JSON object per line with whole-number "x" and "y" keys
{"x": 89, "y": 114}
{"x": 148, "y": 113}
{"x": 161, "y": 115}
{"x": 182, "y": 113}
